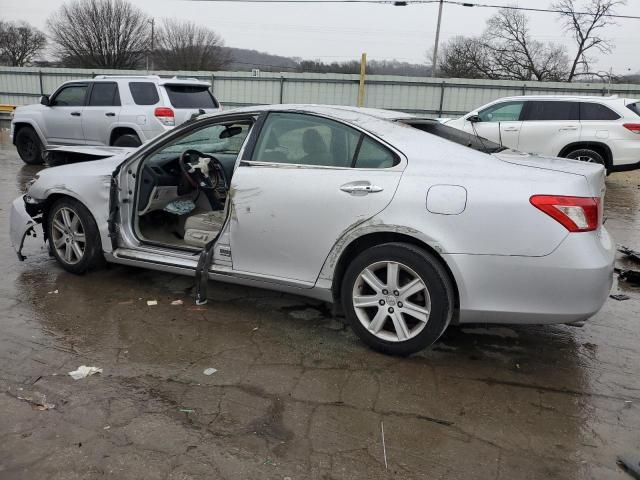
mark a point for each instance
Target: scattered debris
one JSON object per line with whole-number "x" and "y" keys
{"x": 186, "y": 410}
{"x": 126, "y": 302}
{"x": 254, "y": 329}
{"x": 628, "y": 403}
{"x": 54, "y": 292}
{"x": 180, "y": 207}
{"x": 629, "y": 252}
{"x": 41, "y": 405}
{"x": 210, "y": 371}
{"x": 631, "y": 276}
{"x": 384, "y": 446}
{"x": 106, "y": 427}
{"x": 630, "y": 464}
{"x": 620, "y": 297}
{"x": 151, "y": 303}
{"x": 177, "y": 302}
{"x": 84, "y": 371}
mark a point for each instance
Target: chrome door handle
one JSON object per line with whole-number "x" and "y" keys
{"x": 360, "y": 188}
{"x": 567, "y": 128}
{"x": 511, "y": 129}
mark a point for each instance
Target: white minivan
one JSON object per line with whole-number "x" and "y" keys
{"x": 121, "y": 111}
{"x": 603, "y": 130}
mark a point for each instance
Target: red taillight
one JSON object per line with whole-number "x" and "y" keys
{"x": 576, "y": 214}
{"x": 632, "y": 127}
{"x": 165, "y": 115}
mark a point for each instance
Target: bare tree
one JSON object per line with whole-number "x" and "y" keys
{"x": 466, "y": 57}
{"x": 20, "y": 43}
{"x": 187, "y": 46}
{"x": 584, "y": 23}
{"x": 100, "y": 33}
{"x": 517, "y": 55}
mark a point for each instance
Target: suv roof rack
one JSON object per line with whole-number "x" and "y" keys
{"x": 127, "y": 76}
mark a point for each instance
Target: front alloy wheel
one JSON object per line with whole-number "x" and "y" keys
{"x": 68, "y": 236}
{"x": 397, "y": 297}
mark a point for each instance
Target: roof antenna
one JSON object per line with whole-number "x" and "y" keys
{"x": 500, "y": 133}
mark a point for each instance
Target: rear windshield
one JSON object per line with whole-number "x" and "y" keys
{"x": 190, "y": 96}
{"x": 460, "y": 137}
{"x": 635, "y": 108}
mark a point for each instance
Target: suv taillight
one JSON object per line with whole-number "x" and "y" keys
{"x": 576, "y": 214}
{"x": 632, "y": 127}
{"x": 166, "y": 116}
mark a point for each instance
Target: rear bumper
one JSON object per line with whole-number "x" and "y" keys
{"x": 569, "y": 285}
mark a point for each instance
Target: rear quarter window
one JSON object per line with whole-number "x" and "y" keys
{"x": 144, "y": 93}
{"x": 596, "y": 111}
{"x": 635, "y": 108}
{"x": 190, "y": 96}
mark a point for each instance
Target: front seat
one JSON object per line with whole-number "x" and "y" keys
{"x": 201, "y": 228}
{"x": 315, "y": 149}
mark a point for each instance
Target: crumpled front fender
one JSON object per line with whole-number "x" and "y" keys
{"x": 21, "y": 224}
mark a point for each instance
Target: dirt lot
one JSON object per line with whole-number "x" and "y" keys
{"x": 296, "y": 395}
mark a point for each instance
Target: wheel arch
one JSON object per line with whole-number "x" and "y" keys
{"x": 45, "y": 207}
{"x": 119, "y": 130}
{"x": 600, "y": 147}
{"x": 368, "y": 240}
{"x": 20, "y": 124}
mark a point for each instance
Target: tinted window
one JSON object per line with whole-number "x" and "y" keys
{"x": 374, "y": 155}
{"x": 144, "y": 93}
{"x": 71, "y": 96}
{"x": 305, "y": 140}
{"x": 457, "y": 136}
{"x": 188, "y": 96}
{"x": 595, "y": 111}
{"x": 502, "y": 112}
{"x": 635, "y": 108}
{"x": 104, "y": 94}
{"x": 552, "y": 110}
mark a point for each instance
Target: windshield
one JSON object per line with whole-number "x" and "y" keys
{"x": 190, "y": 96}
{"x": 460, "y": 137}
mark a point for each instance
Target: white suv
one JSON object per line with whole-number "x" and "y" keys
{"x": 604, "y": 130}
{"x": 123, "y": 111}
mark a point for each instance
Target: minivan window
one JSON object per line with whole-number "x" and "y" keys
{"x": 502, "y": 112}
{"x": 596, "y": 111}
{"x": 104, "y": 94}
{"x": 71, "y": 96}
{"x": 190, "y": 96}
{"x": 144, "y": 93}
{"x": 552, "y": 110}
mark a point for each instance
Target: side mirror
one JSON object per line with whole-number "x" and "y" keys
{"x": 44, "y": 100}
{"x": 475, "y": 118}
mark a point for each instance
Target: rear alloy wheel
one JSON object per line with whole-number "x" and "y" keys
{"x": 586, "y": 155}
{"x": 73, "y": 236}
{"x": 29, "y": 146}
{"x": 127, "y": 140}
{"x": 398, "y": 298}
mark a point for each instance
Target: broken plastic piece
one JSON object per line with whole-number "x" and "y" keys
{"x": 177, "y": 302}
{"x": 620, "y": 297}
{"x": 631, "y": 464}
{"x": 630, "y": 252}
{"x": 631, "y": 276}
{"x": 210, "y": 371}
{"x": 84, "y": 371}
{"x": 151, "y": 303}
{"x": 41, "y": 405}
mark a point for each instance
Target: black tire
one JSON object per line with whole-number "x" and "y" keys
{"x": 433, "y": 275}
{"x": 127, "y": 140}
{"x": 29, "y": 146}
{"x": 92, "y": 256}
{"x": 587, "y": 155}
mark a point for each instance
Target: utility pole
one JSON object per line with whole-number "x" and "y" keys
{"x": 434, "y": 62}
{"x": 363, "y": 72}
{"x": 150, "y": 54}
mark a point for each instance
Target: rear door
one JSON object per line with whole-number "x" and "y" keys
{"x": 548, "y": 126}
{"x": 499, "y": 123}
{"x": 63, "y": 117}
{"x": 101, "y": 112}
{"x": 187, "y": 99}
{"x": 306, "y": 181}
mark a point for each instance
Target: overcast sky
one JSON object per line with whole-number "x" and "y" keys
{"x": 342, "y": 31}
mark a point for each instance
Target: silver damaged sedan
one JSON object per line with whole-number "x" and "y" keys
{"x": 407, "y": 224}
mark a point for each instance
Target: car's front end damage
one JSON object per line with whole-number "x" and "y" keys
{"x": 26, "y": 214}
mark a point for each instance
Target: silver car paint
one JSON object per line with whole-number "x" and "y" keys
{"x": 511, "y": 263}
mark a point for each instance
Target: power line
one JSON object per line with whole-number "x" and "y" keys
{"x": 423, "y": 2}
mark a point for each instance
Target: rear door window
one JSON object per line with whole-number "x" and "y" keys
{"x": 551, "y": 110}
{"x": 190, "y": 96}
{"x": 374, "y": 155}
{"x": 104, "y": 94}
{"x": 144, "y": 93}
{"x": 596, "y": 111}
{"x": 71, "y": 96}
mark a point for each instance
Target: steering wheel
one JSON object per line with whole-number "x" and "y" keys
{"x": 199, "y": 169}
